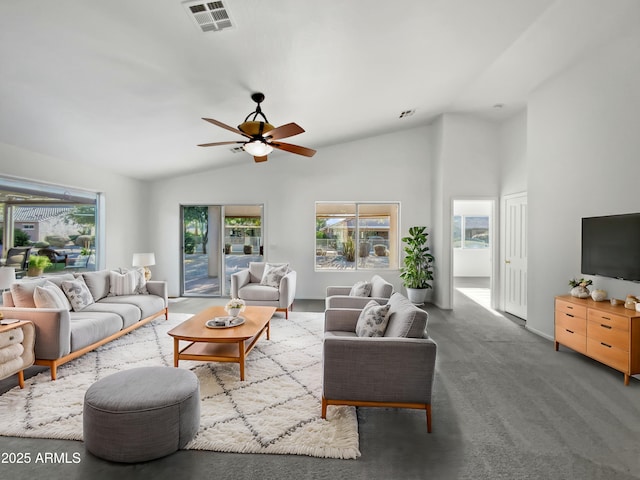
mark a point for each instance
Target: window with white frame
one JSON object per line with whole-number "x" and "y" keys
{"x": 357, "y": 236}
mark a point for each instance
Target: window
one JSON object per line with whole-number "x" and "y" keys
{"x": 68, "y": 220}
{"x": 470, "y": 231}
{"x": 357, "y": 236}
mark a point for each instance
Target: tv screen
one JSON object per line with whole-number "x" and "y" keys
{"x": 611, "y": 246}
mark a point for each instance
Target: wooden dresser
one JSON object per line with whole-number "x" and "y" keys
{"x": 609, "y": 334}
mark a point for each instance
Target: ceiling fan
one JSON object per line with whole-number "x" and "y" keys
{"x": 262, "y": 136}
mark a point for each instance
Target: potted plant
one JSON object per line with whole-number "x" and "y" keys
{"x": 37, "y": 264}
{"x": 417, "y": 269}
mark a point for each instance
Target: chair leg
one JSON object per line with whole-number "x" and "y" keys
{"x": 428, "y": 408}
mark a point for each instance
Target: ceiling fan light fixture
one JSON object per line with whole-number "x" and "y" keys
{"x": 257, "y": 148}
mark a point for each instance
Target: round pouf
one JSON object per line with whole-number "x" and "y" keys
{"x": 141, "y": 414}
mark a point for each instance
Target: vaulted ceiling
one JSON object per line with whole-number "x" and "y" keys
{"x": 123, "y": 84}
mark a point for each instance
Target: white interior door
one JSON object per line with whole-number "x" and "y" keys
{"x": 516, "y": 255}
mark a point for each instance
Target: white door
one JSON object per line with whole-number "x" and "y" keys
{"x": 516, "y": 255}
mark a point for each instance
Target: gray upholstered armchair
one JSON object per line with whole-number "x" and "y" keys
{"x": 272, "y": 290}
{"x": 344, "y": 296}
{"x": 394, "y": 370}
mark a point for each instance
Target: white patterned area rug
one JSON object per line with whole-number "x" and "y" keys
{"x": 275, "y": 410}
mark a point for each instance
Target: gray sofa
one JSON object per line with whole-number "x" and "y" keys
{"x": 339, "y": 296}
{"x": 394, "y": 370}
{"x": 63, "y": 334}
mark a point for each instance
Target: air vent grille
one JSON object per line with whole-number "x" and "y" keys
{"x": 209, "y": 16}
{"x": 407, "y": 113}
{"x": 237, "y": 149}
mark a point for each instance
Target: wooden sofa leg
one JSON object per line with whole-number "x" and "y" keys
{"x": 324, "y": 408}
{"x": 428, "y": 408}
{"x": 54, "y": 371}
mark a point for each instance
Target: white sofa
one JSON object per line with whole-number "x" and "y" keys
{"x": 63, "y": 334}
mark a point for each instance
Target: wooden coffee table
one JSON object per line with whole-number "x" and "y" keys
{"x": 230, "y": 344}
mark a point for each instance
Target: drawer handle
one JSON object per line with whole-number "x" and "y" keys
{"x": 604, "y": 344}
{"x": 606, "y": 318}
{"x": 609, "y": 327}
{"x": 569, "y": 315}
{"x": 569, "y": 307}
{"x": 570, "y": 331}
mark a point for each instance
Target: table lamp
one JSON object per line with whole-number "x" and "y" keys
{"x": 144, "y": 260}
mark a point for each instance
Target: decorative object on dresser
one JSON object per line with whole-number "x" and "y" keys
{"x": 599, "y": 295}
{"x": 17, "y": 340}
{"x": 580, "y": 287}
{"x": 607, "y": 333}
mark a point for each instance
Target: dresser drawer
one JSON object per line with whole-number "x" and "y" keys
{"x": 617, "y": 322}
{"x": 601, "y": 332}
{"x": 571, "y": 308}
{"x": 571, "y": 339}
{"x": 571, "y": 323}
{"x": 608, "y": 354}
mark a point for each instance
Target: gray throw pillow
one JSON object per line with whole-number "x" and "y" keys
{"x": 360, "y": 289}
{"x": 122, "y": 283}
{"x": 373, "y": 320}
{"x": 78, "y": 294}
{"x": 273, "y": 273}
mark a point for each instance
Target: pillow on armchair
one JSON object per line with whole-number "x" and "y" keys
{"x": 373, "y": 320}
{"x": 273, "y": 273}
{"x": 360, "y": 289}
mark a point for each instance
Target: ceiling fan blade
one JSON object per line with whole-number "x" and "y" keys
{"x": 260, "y": 159}
{"x": 226, "y": 127}
{"x": 307, "y": 152}
{"x": 218, "y": 143}
{"x": 284, "y": 131}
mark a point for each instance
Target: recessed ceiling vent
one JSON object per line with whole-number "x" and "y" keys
{"x": 237, "y": 149}
{"x": 407, "y": 113}
{"x": 209, "y": 16}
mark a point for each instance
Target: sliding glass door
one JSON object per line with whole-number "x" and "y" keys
{"x": 218, "y": 240}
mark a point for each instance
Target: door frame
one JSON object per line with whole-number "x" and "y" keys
{"x": 494, "y": 245}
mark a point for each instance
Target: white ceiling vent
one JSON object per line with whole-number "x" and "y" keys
{"x": 209, "y": 16}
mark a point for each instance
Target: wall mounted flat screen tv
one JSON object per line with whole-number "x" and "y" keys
{"x": 611, "y": 246}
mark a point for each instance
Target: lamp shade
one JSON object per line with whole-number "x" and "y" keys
{"x": 143, "y": 259}
{"x": 7, "y": 277}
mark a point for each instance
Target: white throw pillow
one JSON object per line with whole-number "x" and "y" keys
{"x": 141, "y": 287}
{"x": 273, "y": 273}
{"x": 122, "y": 283}
{"x": 78, "y": 293}
{"x": 373, "y": 320}
{"x": 360, "y": 289}
{"x": 50, "y": 295}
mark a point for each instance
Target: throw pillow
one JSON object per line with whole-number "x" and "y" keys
{"x": 50, "y": 295}
{"x": 360, "y": 289}
{"x": 141, "y": 281}
{"x": 78, "y": 293}
{"x": 22, "y": 293}
{"x": 273, "y": 273}
{"x": 373, "y": 320}
{"x": 122, "y": 283}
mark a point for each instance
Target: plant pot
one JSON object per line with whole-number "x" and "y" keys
{"x": 234, "y": 312}
{"x": 580, "y": 292}
{"x": 248, "y": 249}
{"x": 34, "y": 272}
{"x": 417, "y": 295}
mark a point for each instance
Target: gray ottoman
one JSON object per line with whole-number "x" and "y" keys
{"x": 141, "y": 414}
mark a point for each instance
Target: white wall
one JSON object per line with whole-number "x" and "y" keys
{"x": 467, "y": 165}
{"x": 126, "y": 199}
{"x": 512, "y": 142}
{"x": 392, "y": 167}
{"x": 584, "y": 160}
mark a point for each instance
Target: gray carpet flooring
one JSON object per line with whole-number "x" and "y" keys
{"x": 506, "y": 406}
